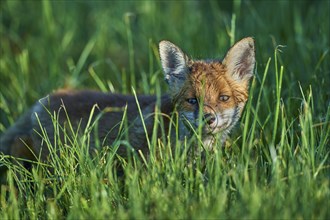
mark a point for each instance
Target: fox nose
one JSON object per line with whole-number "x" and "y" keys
{"x": 209, "y": 118}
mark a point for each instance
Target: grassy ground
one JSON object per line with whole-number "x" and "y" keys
{"x": 277, "y": 165}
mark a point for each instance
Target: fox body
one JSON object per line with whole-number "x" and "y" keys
{"x": 210, "y": 94}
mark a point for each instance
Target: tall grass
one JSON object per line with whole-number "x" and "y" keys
{"x": 275, "y": 165}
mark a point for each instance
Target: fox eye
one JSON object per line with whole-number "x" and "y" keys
{"x": 224, "y": 98}
{"x": 192, "y": 101}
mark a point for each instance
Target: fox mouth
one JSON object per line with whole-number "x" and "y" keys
{"x": 207, "y": 129}
{"x": 219, "y": 122}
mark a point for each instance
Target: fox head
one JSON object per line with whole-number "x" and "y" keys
{"x": 211, "y": 93}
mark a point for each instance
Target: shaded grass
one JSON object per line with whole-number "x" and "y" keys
{"x": 276, "y": 164}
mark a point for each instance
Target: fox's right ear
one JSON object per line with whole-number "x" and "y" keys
{"x": 174, "y": 63}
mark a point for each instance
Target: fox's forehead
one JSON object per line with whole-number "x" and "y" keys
{"x": 208, "y": 77}
{"x": 201, "y": 70}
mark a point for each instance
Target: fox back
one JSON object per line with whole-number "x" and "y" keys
{"x": 206, "y": 94}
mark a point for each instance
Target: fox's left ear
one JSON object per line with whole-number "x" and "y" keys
{"x": 240, "y": 59}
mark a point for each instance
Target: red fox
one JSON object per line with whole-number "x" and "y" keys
{"x": 206, "y": 93}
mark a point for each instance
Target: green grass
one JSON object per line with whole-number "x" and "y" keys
{"x": 276, "y": 164}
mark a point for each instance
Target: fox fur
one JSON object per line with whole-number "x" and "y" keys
{"x": 207, "y": 93}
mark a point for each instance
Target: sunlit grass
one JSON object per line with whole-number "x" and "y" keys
{"x": 275, "y": 164}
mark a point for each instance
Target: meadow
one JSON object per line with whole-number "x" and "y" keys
{"x": 274, "y": 166}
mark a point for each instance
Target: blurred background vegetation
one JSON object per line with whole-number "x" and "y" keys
{"x": 279, "y": 165}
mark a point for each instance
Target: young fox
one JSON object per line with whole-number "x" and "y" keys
{"x": 210, "y": 94}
